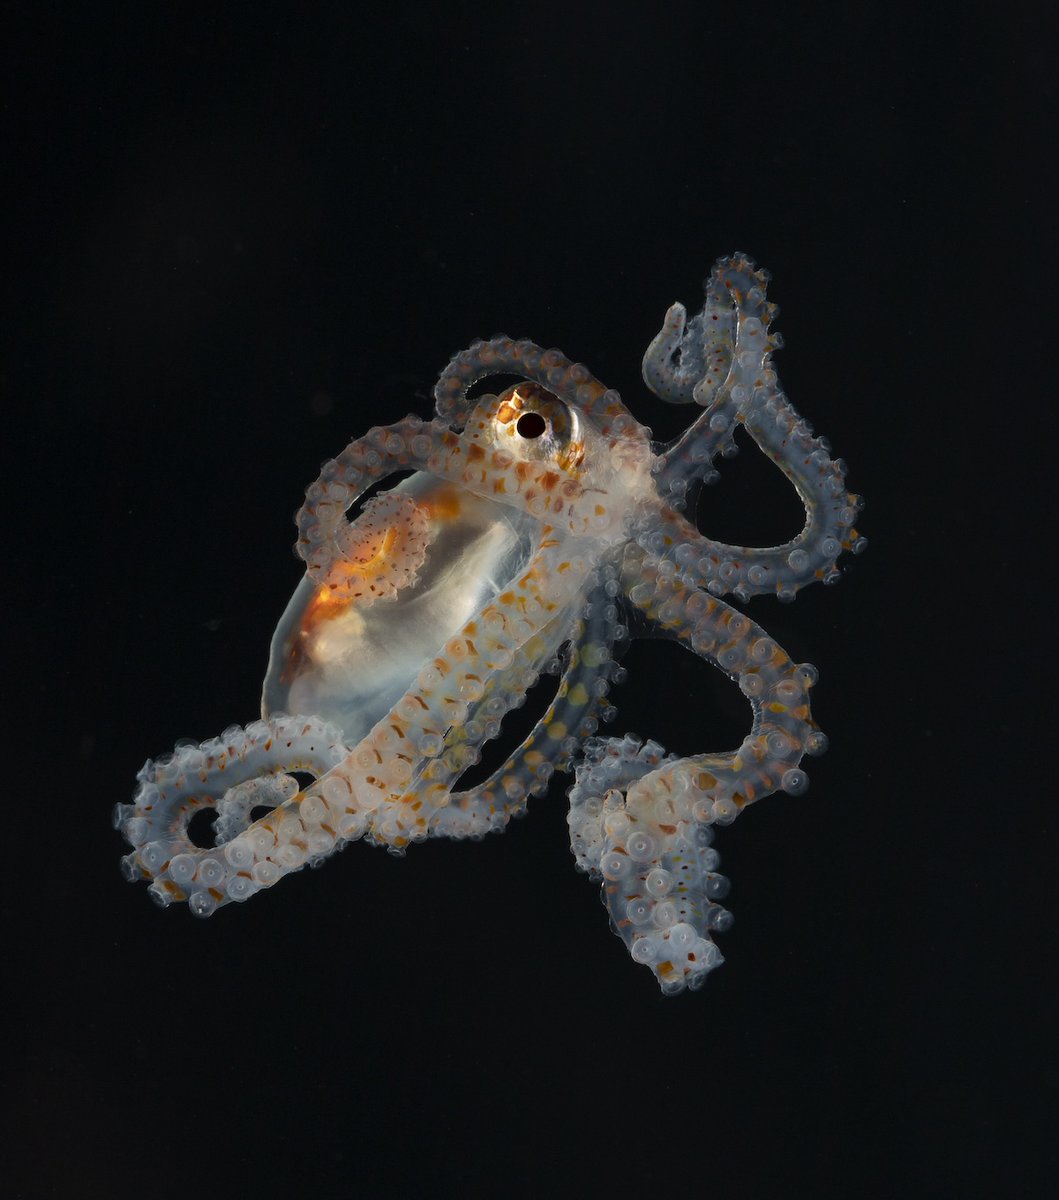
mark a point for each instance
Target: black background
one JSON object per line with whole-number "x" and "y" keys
{"x": 240, "y": 239}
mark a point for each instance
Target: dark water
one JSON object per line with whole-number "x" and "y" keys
{"x": 237, "y": 243}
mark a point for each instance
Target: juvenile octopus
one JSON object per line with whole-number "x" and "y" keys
{"x": 537, "y": 526}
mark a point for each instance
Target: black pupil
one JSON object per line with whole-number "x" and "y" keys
{"x": 531, "y": 425}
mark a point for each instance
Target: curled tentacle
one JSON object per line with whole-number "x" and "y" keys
{"x": 381, "y": 552}
{"x": 236, "y": 805}
{"x": 714, "y": 360}
{"x": 729, "y": 342}
{"x": 659, "y": 883}
{"x": 745, "y": 571}
{"x": 573, "y": 383}
{"x": 174, "y": 788}
{"x": 651, "y": 844}
{"x": 323, "y": 533}
{"x": 688, "y": 361}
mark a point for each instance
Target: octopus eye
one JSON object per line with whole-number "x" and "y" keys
{"x": 531, "y": 425}
{"x": 536, "y": 425}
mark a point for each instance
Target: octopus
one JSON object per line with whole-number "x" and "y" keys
{"x": 534, "y": 531}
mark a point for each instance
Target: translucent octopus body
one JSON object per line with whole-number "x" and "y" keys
{"x": 535, "y": 523}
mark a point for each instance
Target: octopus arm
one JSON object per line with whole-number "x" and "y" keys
{"x": 572, "y": 382}
{"x": 240, "y": 769}
{"x": 324, "y": 535}
{"x": 642, "y": 821}
{"x": 728, "y": 347}
{"x": 689, "y": 361}
{"x": 556, "y": 738}
{"x": 390, "y": 787}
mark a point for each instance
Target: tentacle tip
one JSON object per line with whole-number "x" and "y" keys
{"x": 676, "y": 315}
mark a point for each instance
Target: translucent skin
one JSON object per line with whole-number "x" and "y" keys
{"x": 535, "y": 523}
